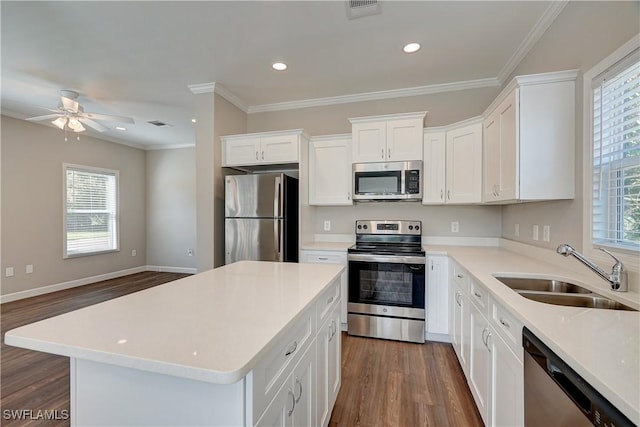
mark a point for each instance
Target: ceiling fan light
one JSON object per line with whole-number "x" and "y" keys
{"x": 75, "y": 125}
{"x": 60, "y": 122}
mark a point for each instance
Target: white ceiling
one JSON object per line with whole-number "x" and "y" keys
{"x": 139, "y": 59}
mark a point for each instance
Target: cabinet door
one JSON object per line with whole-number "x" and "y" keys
{"x": 460, "y": 328}
{"x": 242, "y": 151}
{"x": 491, "y": 157}
{"x": 507, "y": 385}
{"x": 509, "y": 158}
{"x": 334, "y": 367}
{"x": 479, "y": 362}
{"x": 369, "y": 141}
{"x": 438, "y": 295}
{"x": 304, "y": 389}
{"x": 434, "y": 168}
{"x": 404, "y": 139}
{"x": 279, "y": 413}
{"x": 328, "y": 367}
{"x": 330, "y": 172}
{"x": 464, "y": 164}
{"x": 279, "y": 149}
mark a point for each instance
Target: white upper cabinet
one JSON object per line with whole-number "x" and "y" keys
{"x": 330, "y": 170}
{"x": 453, "y": 164}
{"x": 262, "y": 148}
{"x": 529, "y": 140}
{"x": 395, "y": 137}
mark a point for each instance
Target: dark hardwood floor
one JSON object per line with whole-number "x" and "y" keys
{"x": 384, "y": 383}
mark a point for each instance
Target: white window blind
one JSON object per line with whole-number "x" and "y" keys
{"x": 616, "y": 155}
{"x": 90, "y": 211}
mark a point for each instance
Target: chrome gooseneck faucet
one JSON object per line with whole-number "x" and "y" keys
{"x": 618, "y": 276}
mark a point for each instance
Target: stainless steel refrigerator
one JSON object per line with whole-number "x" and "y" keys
{"x": 261, "y": 217}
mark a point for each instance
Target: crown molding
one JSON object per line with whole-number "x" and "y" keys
{"x": 214, "y": 87}
{"x": 540, "y": 27}
{"x": 375, "y": 96}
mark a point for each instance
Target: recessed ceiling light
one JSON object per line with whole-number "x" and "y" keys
{"x": 411, "y": 47}
{"x": 279, "y": 66}
{"x": 120, "y": 128}
{"x": 193, "y": 120}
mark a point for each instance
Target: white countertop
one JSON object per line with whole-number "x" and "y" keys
{"x": 213, "y": 326}
{"x": 603, "y": 346}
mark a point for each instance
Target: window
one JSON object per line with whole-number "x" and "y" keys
{"x": 615, "y": 155}
{"x": 90, "y": 210}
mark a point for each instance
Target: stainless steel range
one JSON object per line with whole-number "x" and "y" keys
{"x": 387, "y": 281}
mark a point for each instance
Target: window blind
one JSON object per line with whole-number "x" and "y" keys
{"x": 616, "y": 155}
{"x": 91, "y": 211}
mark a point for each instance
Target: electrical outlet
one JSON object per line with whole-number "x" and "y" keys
{"x": 546, "y": 233}
{"x": 327, "y": 225}
{"x": 455, "y": 226}
{"x": 534, "y": 232}
{"x": 8, "y": 272}
{"x": 517, "y": 230}
{"x": 190, "y": 252}
{"x": 134, "y": 252}
{"x": 29, "y": 269}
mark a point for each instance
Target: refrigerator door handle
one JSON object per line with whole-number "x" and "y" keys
{"x": 277, "y": 212}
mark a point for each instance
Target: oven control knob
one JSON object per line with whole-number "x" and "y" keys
{"x": 417, "y": 227}
{"x": 410, "y": 227}
{"x": 359, "y": 227}
{"x": 365, "y": 226}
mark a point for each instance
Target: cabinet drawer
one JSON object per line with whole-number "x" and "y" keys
{"x": 460, "y": 276}
{"x": 324, "y": 257}
{"x": 479, "y": 296}
{"x": 273, "y": 369}
{"x": 509, "y": 328}
{"x": 327, "y": 301}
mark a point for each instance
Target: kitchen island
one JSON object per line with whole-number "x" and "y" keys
{"x": 246, "y": 344}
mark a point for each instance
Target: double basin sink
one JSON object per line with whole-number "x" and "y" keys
{"x": 557, "y": 292}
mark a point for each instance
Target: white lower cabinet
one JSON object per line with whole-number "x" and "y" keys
{"x": 332, "y": 257}
{"x": 486, "y": 339}
{"x": 294, "y": 403}
{"x": 437, "y": 294}
{"x": 328, "y": 367}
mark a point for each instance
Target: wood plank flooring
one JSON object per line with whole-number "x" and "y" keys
{"x": 391, "y": 383}
{"x": 384, "y": 383}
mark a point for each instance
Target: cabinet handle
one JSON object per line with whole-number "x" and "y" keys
{"x": 389, "y": 153}
{"x": 330, "y": 300}
{"x": 382, "y": 154}
{"x": 487, "y": 343}
{"x": 477, "y": 295}
{"x": 348, "y": 195}
{"x": 449, "y": 194}
{"x": 458, "y": 295}
{"x": 299, "y": 384}
{"x": 504, "y": 323}
{"x": 484, "y": 331}
{"x": 263, "y": 155}
{"x": 323, "y": 258}
{"x": 292, "y": 349}
{"x": 441, "y": 194}
{"x": 460, "y": 276}
{"x": 293, "y": 403}
{"x": 256, "y": 155}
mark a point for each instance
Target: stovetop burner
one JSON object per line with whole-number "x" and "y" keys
{"x": 388, "y": 238}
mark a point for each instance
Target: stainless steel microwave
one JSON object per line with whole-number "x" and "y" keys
{"x": 394, "y": 181}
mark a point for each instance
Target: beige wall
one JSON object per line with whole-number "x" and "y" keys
{"x": 171, "y": 208}
{"x": 582, "y": 35}
{"x": 32, "y": 158}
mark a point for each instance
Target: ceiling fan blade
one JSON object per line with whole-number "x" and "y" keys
{"x": 38, "y": 118}
{"x": 69, "y": 104}
{"x": 108, "y": 118}
{"x": 94, "y": 125}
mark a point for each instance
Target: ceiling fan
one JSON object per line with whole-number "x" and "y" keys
{"x": 70, "y": 115}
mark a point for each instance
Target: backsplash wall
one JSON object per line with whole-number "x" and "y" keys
{"x": 473, "y": 221}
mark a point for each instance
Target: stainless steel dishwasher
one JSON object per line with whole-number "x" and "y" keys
{"x": 555, "y": 395}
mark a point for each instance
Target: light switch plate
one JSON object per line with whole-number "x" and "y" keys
{"x": 455, "y": 226}
{"x": 534, "y": 232}
{"x": 29, "y": 269}
{"x": 8, "y": 272}
{"x": 546, "y": 233}
{"x": 327, "y": 225}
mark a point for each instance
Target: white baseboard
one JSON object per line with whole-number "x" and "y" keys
{"x": 88, "y": 280}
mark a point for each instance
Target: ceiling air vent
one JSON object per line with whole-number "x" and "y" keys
{"x": 159, "y": 123}
{"x": 361, "y": 8}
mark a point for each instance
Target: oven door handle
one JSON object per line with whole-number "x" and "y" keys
{"x": 391, "y": 259}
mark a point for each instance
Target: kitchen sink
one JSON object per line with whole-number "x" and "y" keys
{"x": 558, "y": 292}
{"x": 590, "y": 300}
{"x": 545, "y": 285}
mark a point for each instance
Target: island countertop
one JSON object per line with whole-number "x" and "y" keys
{"x": 213, "y": 326}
